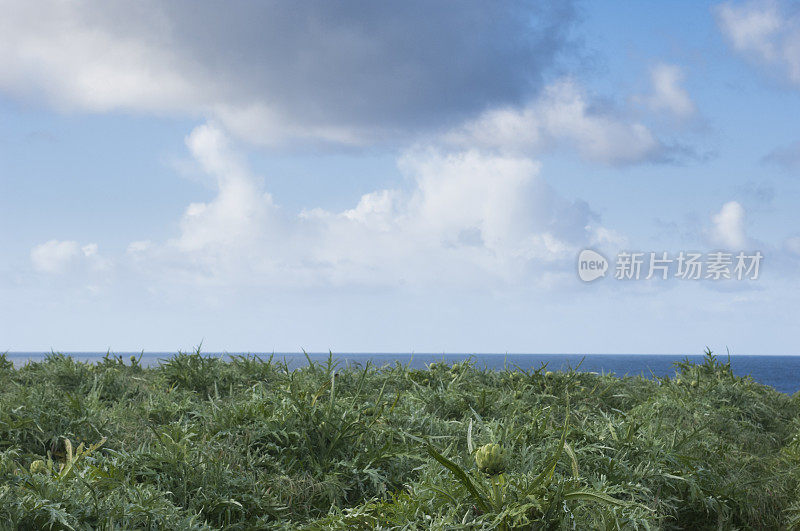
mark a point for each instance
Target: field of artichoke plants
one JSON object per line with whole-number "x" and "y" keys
{"x": 245, "y": 443}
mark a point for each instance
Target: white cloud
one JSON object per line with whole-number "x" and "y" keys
{"x": 57, "y": 256}
{"x": 378, "y": 210}
{"x": 668, "y": 94}
{"x": 767, "y": 32}
{"x": 728, "y": 227}
{"x": 562, "y": 115}
{"x": 502, "y": 200}
{"x": 54, "y": 256}
{"x": 239, "y": 212}
{"x": 138, "y": 247}
{"x": 61, "y": 51}
{"x": 89, "y": 249}
{"x": 467, "y": 215}
{"x": 605, "y": 237}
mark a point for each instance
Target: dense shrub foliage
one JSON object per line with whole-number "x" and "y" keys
{"x": 245, "y": 443}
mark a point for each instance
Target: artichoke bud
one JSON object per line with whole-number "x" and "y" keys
{"x": 38, "y": 467}
{"x": 490, "y": 459}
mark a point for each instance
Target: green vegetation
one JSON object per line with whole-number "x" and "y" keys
{"x": 203, "y": 443}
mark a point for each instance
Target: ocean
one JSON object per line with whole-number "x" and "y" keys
{"x": 780, "y": 372}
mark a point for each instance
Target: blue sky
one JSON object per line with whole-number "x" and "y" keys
{"x": 417, "y": 177}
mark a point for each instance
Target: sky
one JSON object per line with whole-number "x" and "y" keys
{"x": 397, "y": 177}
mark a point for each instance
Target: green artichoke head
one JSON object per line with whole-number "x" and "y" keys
{"x": 38, "y": 467}
{"x": 490, "y": 459}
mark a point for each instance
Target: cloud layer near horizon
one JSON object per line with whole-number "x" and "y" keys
{"x": 464, "y": 215}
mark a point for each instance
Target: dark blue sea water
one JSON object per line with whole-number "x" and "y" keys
{"x": 781, "y": 372}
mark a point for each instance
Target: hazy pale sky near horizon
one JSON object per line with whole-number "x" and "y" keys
{"x": 395, "y": 177}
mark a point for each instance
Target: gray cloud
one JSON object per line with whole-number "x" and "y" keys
{"x": 787, "y": 157}
{"x": 340, "y": 71}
